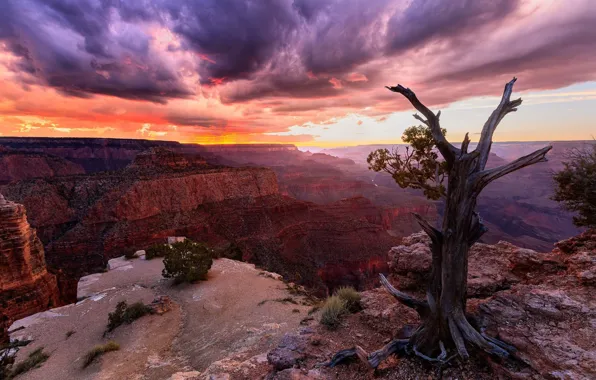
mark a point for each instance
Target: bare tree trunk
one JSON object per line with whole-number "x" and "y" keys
{"x": 444, "y": 325}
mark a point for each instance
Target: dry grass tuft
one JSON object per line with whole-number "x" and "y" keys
{"x": 98, "y": 351}
{"x": 332, "y": 312}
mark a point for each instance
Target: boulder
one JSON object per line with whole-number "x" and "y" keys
{"x": 288, "y": 353}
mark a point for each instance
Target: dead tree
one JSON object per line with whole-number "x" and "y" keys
{"x": 444, "y": 326}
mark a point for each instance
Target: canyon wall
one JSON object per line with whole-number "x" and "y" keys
{"x": 92, "y": 154}
{"x": 86, "y": 220}
{"x": 16, "y": 166}
{"x": 26, "y": 287}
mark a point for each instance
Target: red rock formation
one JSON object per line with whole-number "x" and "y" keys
{"x": 541, "y": 303}
{"x": 86, "y": 220}
{"x": 16, "y": 166}
{"x": 26, "y": 287}
{"x": 160, "y": 158}
{"x": 92, "y": 154}
{"x": 227, "y": 149}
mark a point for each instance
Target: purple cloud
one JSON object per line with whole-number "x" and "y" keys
{"x": 256, "y": 50}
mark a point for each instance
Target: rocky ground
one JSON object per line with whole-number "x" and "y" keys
{"x": 223, "y": 317}
{"x": 541, "y": 303}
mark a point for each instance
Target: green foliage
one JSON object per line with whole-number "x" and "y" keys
{"x": 34, "y": 360}
{"x": 332, "y": 312}
{"x": 576, "y": 185}
{"x": 188, "y": 262}
{"x": 418, "y": 168}
{"x": 350, "y": 296}
{"x": 99, "y": 350}
{"x": 126, "y": 314}
{"x": 157, "y": 250}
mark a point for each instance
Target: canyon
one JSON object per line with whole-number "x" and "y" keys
{"x": 516, "y": 208}
{"x": 320, "y": 219}
{"x": 85, "y": 220}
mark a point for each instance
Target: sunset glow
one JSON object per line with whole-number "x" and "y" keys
{"x": 306, "y": 72}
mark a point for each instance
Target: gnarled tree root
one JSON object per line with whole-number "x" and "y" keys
{"x": 460, "y": 331}
{"x": 403, "y": 347}
{"x": 397, "y": 347}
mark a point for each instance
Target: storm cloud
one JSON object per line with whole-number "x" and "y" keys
{"x": 306, "y": 58}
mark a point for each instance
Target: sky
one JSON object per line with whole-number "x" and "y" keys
{"x": 305, "y": 72}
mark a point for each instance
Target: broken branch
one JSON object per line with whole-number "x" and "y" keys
{"x": 420, "y": 306}
{"x": 483, "y": 178}
{"x": 505, "y": 106}
{"x": 432, "y": 121}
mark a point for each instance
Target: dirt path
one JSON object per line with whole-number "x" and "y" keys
{"x": 222, "y": 317}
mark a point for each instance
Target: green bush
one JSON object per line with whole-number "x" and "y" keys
{"x": 157, "y": 250}
{"x": 126, "y": 314}
{"x": 34, "y": 360}
{"x": 188, "y": 262}
{"x": 99, "y": 350}
{"x": 332, "y": 312}
{"x": 350, "y": 296}
{"x": 576, "y": 185}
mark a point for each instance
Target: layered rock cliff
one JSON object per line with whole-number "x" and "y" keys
{"x": 26, "y": 287}
{"x": 92, "y": 154}
{"x": 86, "y": 220}
{"x": 16, "y": 166}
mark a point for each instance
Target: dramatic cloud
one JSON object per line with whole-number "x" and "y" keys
{"x": 244, "y": 68}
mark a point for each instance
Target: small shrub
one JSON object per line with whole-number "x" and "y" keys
{"x": 34, "y": 360}
{"x": 126, "y": 314}
{"x": 188, "y": 262}
{"x": 158, "y": 250}
{"x": 332, "y": 312}
{"x": 69, "y": 333}
{"x": 350, "y": 296}
{"x": 99, "y": 350}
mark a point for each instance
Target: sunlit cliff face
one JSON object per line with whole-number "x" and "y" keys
{"x": 309, "y": 72}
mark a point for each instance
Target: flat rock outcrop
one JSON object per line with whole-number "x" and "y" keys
{"x": 214, "y": 329}
{"x": 26, "y": 287}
